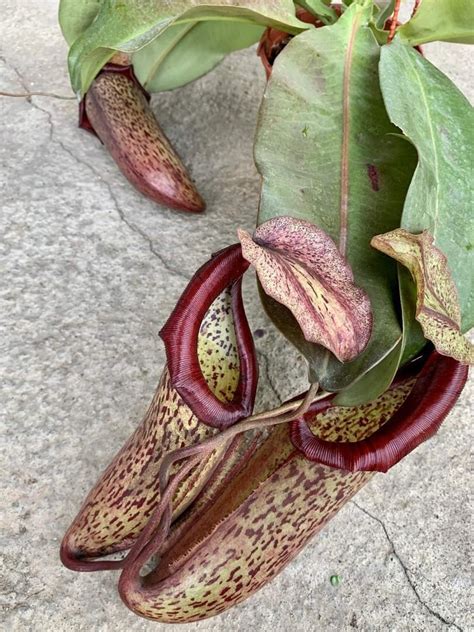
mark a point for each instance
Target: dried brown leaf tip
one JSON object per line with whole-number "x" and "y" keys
{"x": 301, "y": 267}
{"x": 437, "y": 302}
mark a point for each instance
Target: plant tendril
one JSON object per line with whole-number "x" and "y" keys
{"x": 160, "y": 521}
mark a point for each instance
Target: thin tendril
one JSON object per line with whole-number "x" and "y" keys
{"x": 27, "y": 95}
{"x": 153, "y": 536}
{"x": 160, "y": 521}
{"x": 161, "y": 517}
{"x": 394, "y": 23}
{"x": 283, "y": 414}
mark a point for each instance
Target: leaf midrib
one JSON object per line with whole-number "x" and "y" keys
{"x": 433, "y": 142}
{"x": 344, "y": 194}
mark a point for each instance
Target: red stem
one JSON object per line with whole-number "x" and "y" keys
{"x": 394, "y": 23}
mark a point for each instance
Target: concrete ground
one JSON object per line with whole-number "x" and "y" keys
{"x": 90, "y": 271}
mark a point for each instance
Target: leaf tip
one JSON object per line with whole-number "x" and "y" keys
{"x": 300, "y": 266}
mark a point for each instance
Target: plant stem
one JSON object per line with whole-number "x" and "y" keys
{"x": 283, "y": 414}
{"x": 160, "y": 521}
{"x": 161, "y": 517}
{"x": 394, "y": 23}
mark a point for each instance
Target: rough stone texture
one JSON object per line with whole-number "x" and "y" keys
{"x": 90, "y": 271}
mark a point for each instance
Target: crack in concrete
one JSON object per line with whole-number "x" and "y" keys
{"x": 118, "y": 209}
{"x": 17, "y": 73}
{"x": 133, "y": 227}
{"x": 405, "y": 570}
{"x": 21, "y": 604}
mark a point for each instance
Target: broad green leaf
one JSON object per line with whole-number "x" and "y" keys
{"x": 366, "y": 388}
{"x": 437, "y": 304}
{"x": 385, "y": 8}
{"x": 328, "y": 154}
{"x": 75, "y": 16}
{"x": 128, "y": 25}
{"x": 445, "y": 20}
{"x": 439, "y": 121}
{"x": 300, "y": 266}
{"x": 187, "y": 51}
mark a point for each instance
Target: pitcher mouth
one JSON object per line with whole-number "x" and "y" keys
{"x": 437, "y": 383}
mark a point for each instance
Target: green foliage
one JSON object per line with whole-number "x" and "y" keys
{"x": 75, "y": 16}
{"x": 319, "y": 8}
{"x": 439, "y": 121}
{"x": 440, "y": 20}
{"x": 385, "y": 10}
{"x": 329, "y": 154}
{"x": 187, "y": 51}
{"x": 127, "y": 26}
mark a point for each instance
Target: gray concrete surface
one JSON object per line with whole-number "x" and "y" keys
{"x": 89, "y": 272}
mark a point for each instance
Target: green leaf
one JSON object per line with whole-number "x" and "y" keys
{"x": 128, "y": 25}
{"x": 328, "y": 154}
{"x": 385, "y": 8}
{"x": 75, "y": 16}
{"x": 413, "y": 338}
{"x": 437, "y": 304}
{"x": 187, "y": 51}
{"x": 300, "y": 266}
{"x": 439, "y": 121}
{"x": 368, "y": 387}
{"x": 445, "y": 20}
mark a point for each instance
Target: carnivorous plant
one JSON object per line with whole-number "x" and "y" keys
{"x": 363, "y": 253}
